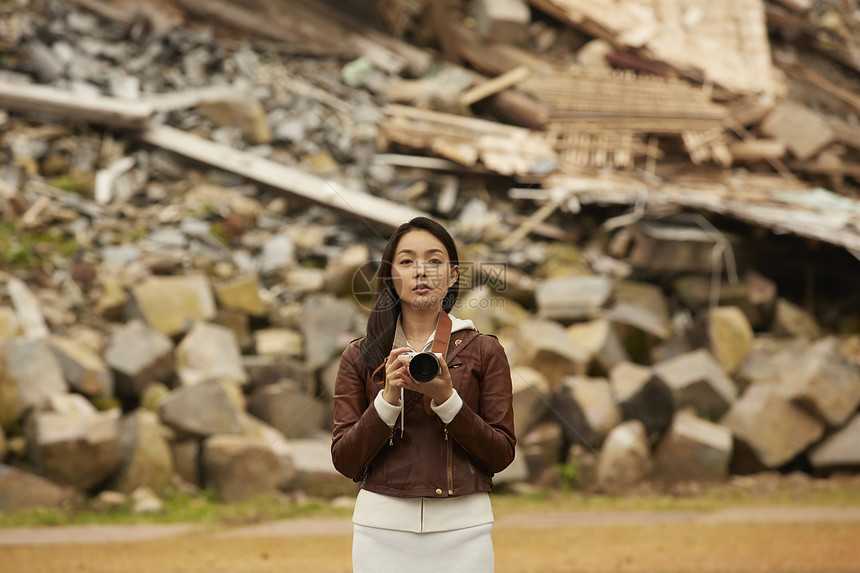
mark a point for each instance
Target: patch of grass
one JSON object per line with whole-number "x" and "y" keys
{"x": 22, "y": 248}
{"x": 178, "y": 508}
{"x": 710, "y": 499}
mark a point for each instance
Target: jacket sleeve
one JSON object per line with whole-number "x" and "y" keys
{"x": 359, "y": 433}
{"x": 489, "y": 437}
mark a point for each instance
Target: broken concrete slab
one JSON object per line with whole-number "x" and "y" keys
{"x": 770, "y": 426}
{"x": 697, "y": 380}
{"x": 693, "y": 450}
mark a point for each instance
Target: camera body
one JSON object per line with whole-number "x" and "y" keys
{"x": 423, "y": 366}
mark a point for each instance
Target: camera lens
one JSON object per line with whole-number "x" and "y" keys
{"x": 423, "y": 367}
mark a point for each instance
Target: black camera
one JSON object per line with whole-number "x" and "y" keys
{"x": 423, "y": 366}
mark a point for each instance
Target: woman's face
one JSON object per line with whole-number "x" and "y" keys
{"x": 421, "y": 270}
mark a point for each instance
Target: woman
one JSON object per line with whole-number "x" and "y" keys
{"x": 424, "y": 452}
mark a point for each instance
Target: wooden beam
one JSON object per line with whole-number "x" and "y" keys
{"x": 495, "y": 85}
{"x": 101, "y": 110}
{"x": 293, "y": 181}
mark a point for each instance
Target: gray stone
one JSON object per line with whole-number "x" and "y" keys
{"x": 766, "y": 361}
{"x": 42, "y": 61}
{"x": 139, "y": 355}
{"x": 10, "y": 326}
{"x": 625, "y": 458}
{"x": 21, "y": 490}
{"x": 78, "y": 450}
{"x": 279, "y": 445}
{"x": 209, "y": 351}
{"x": 121, "y": 254}
{"x": 791, "y": 320}
{"x": 502, "y": 20}
{"x": 264, "y": 370}
{"x": 327, "y": 327}
{"x": 315, "y": 472}
{"x": 70, "y": 405}
{"x": 600, "y": 342}
{"x": 693, "y": 450}
{"x": 29, "y": 310}
{"x": 172, "y": 304}
{"x": 594, "y": 399}
{"x": 340, "y": 271}
{"x": 242, "y": 294}
{"x": 697, "y": 380}
{"x": 545, "y": 346}
{"x": 278, "y": 342}
{"x": 287, "y": 408}
{"x": 146, "y": 458}
{"x": 202, "y": 409}
{"x": 144, "y": 501}
{"x": 278, "y": 254}
{"x": 642, "y": 396}
{"x": 673, "y": 248}
{"x": 108, "y": 500}
{"x": 247, "y": 115}
{"x": 531, "y": 398}
{"x": 240, "y": 324}
{"x": 239, "y": 467}
{"x": 726, "y": 332}
{"x": 770, "y": 427}
{"x": 84, "y": 370}
{"x": 755, "y": 295}
{"x": 29, "y": 375}
{"x": 824, "y": 382}
{"x": 542, "y": 448}
{"x": 572, "y": 298}
{"x": 638, "y": 317}
{"x": 841, "y": 449}
{"x": 186, "y": 460}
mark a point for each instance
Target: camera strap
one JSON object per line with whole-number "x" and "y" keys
{"x": 440, "y": 345}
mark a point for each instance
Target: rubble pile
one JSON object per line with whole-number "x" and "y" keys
{"x": 193, "y": 193}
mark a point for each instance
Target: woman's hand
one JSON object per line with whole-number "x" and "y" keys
{"x": 396, "y": 372}
{"x": 397, "y": 376}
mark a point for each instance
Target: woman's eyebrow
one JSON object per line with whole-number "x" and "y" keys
{"x": 427, "y": 252}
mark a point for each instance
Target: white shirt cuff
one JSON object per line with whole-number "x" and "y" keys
{"x": 449, "y": 408}
{"x": 386, "y": 411}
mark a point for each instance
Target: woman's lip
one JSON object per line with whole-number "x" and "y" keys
{"x": 421, "y": 289}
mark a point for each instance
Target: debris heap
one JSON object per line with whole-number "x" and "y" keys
{"x": 193, "y": 195}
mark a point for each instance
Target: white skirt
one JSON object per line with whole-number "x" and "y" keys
{"x": 467, "y": 550}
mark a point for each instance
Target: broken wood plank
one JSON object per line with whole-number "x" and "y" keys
{"x": 495, "y": 85}
{"x": 420, "y": 162}
{"x": 760, "y": 201}
{"x": 194, "y": 97}
{"x": 293, "y": 29}
{"x": 803, "y": 131}
{"x": 809, "y": 76}
{"x": 100, "y": 110}
{"x": 757, "y": 150}
{"x": 798, "y": 6}
{"x": 845, "y": 134}
{"x": 293, "y": 181}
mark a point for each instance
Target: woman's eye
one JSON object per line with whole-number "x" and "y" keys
{"x": 435, "y": 261}
{"x": 405, "y": 261}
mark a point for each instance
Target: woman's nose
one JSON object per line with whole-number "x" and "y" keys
{"x": 420, "y": 269}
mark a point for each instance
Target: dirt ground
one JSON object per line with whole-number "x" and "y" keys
{"x": 792, "y": 539}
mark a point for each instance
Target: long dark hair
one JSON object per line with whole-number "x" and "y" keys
{"x": 382, "y": 321}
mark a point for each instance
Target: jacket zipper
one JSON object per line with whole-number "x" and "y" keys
{"x": 450, "y": 462}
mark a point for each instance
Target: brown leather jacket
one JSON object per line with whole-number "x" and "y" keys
{"x": 430, "y": 459}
